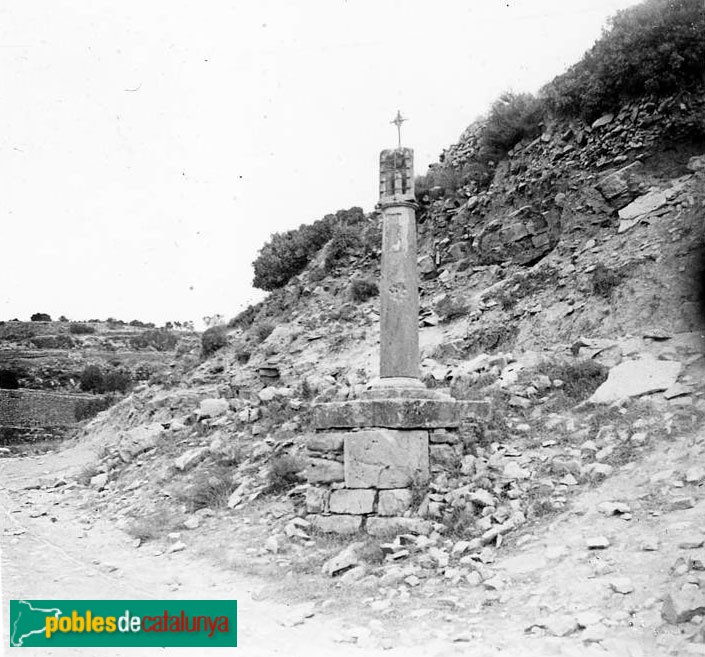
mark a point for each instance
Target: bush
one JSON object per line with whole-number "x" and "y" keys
{"x": 655, "y": 47}
{"x": 159, "y": 339}
{"x": 81, "y": 329}
{"x": 213, "y": 339}
{"x": 118, "y": 380}
{"x": 40, "y": 317}
{"x": 92, "y": 379}
{"x": 246, "y": 318}
{"x": 286, "y": 254}
{"x": 605, "y": 280}
{"x": 88, "y": 408}
{"x": 345, "y": 240}
{"x": 362, "y": 289}
{"x": 283, "y": 473}
{"x": 262, "y": 331}
{"x": 580, "y": 379}
{"x": 9, "y": 380}
{"x": 513, "y": 117}
{"x": 52, "y": 341}
{"x": 211, "y": 490}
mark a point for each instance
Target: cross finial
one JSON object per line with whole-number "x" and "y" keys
{"x": 398, "y": 120}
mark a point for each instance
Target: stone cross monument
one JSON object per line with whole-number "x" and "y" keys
{"x": 368, "y": 454}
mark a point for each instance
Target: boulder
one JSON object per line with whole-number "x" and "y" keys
{"x": 426, "y": 266}
{"x": 681, "y": 606}
{"x": 697, "y": 163}
{"x": 523, "y": 237}
{"x": 604, "y": 120}
{"x": 138, "y": 440}
{"x": 622, "y": 186}
{"x": 213, "y": 408}
{"x": 633, "y": 378}
{"x": 343, "y": 561}
{"x": 190, "y": 458}
{"x": 99, "y": 481}
{"x": 643, "y": 205}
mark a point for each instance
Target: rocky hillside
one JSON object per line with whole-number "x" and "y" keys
{"x": 565, "y": 287}
{"x": 46, "y": 355}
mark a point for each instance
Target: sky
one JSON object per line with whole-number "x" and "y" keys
{"x": 149, "y": 148}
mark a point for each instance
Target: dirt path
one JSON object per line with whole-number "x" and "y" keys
{"x": 547, "y": 580}
{"x": 56, "y": 556}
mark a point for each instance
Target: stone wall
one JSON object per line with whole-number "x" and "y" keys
{"x": 367, "y": 479}
{"x": 33, "y": 408}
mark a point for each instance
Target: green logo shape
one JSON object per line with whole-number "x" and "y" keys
{"x": 123, "y": 623}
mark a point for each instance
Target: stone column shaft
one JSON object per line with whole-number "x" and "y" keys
{"x": 399, "y": 296}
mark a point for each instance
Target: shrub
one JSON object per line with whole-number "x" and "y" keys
{"x": 88, "y": 408}
{"x": 283, "y": 473}
{"x": 81, "y": 329}
{"x": 580, "y": 379}
{"x": 92, "y": 379}
{"x": 144, "y": 372}
{"x": 246, "y": 318}
{"x": 152, "y": 525}
{"x": 605, "y": 280}
{"x": 211, "y": 490}
{"x": 286, "y": 254}
{"x": 654, "y": 47}
{"x": 362, "y": 289}
{"x": 9, "y": 380}
{"x": 52, "y": 341}
{"x": 512, "y": 118}
{"x": 118, "y": 380}
{"x": 345, "y": 240}
{"x": 262, "y": 330}
{"x": 213, "y": 339}
{"x": 87, "y": 473}
{"x": 40, "y": 317}
{"x": 159, "y": 339}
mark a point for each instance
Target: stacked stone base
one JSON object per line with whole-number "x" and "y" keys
{"x": 367, "y": 478}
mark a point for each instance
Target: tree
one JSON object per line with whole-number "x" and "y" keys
{"x": 286, "y": 254}
{"x": 9, "y": 380}
{"x": 92, "y": 379}
{"x": 213, "y": 320}
{"x": 40, "y": 317}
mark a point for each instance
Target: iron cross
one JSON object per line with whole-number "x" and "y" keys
{"x": 398, "y": 120}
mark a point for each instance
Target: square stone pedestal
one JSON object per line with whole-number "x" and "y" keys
{"x": 368, "y": 457}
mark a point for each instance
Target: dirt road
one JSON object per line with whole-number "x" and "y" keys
{"x": 55, "y": 555}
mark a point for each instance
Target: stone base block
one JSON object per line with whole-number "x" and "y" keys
{"x": 397, "y": 413}
{"x": 358, "y": 501}
{"x": 338, "y": 524}
{"x": 317, "y": 500}
{"x": 385, "y": 458}
{"x": 325, "y": 442}
{"x": 393, "y": 502}
{"x": 324, "y": 471}
{"x": 391, "y": 526}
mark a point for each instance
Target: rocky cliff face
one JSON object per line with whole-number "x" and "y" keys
{"x": 571, "y": 282}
